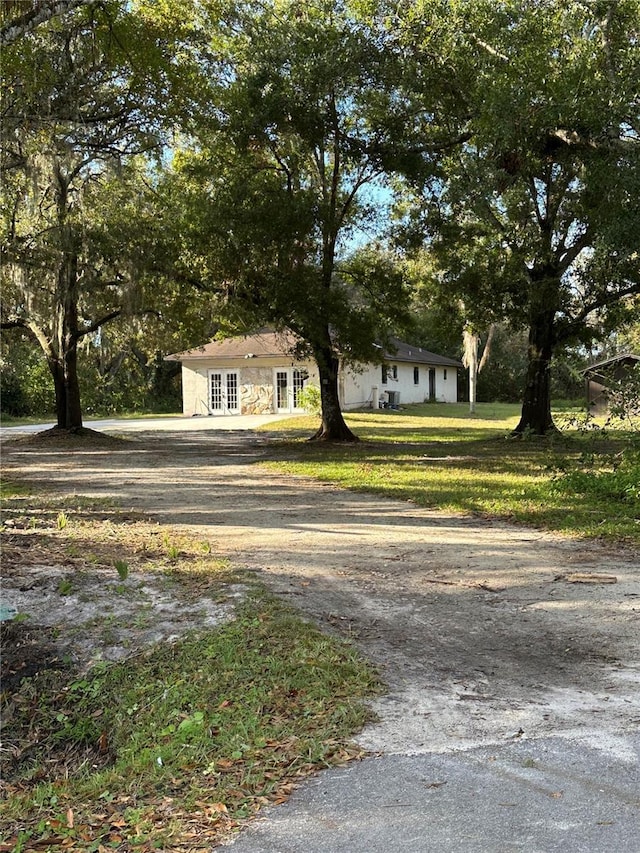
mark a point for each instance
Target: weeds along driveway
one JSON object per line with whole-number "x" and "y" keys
{"x": 485, "y": 633}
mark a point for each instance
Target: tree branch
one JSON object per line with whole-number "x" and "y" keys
{"x": 36, "y": 332}
{"x": 39, "y": 13}
{"x": 95, "y": 326}
{"x": 567, "y": 330}
{"x": 566, "y": 256}
{"x": 488, "y": 48}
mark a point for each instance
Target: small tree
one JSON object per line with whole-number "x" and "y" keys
{"x": 623, "y": 396}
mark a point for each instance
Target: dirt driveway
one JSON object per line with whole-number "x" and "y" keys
{"x": 484, "y": 633}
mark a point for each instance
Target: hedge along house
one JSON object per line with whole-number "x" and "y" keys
{"x": 258, "y": 374}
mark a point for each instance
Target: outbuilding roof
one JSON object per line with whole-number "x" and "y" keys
{"x": 267, "y": 343}
{"x": 623, "y": 358}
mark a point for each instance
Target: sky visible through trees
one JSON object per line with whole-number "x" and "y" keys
{"x": 381, "y": 159}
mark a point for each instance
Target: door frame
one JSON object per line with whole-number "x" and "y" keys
{"x": 295, "y": 377}
{"x": 225, "y": 387}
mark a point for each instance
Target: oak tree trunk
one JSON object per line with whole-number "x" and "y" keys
{"x": 536, "y": 416}
{"x": 65, "y": 371}
{"x": 333, "y": 426}
{"x": 73, "y": 408}
{"x": 60, "y": 392}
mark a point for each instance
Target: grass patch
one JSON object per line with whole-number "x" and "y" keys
{"x": 10, "y": 489}
{"x": 32, "y": 420}
{"x": 78, "y": 531}
{"x": 581, "y": 482}
{"x": 25, "y": 420}
{"x": 181, "y": 743}
{"x": 175, "y": 746}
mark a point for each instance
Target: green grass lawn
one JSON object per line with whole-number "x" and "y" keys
{"x": 583, "y": 482}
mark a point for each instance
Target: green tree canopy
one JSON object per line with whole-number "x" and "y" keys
{"x": 535, "y": 217}
{"x": 85, "y": 106}
{"x": 283, "y": 182}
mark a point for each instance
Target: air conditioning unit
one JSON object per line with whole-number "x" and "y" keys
{"x": 394, "y": 399}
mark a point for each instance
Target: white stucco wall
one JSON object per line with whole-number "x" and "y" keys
{"x": 194, "y": 390}
{"x": 357, "y": 385}
{"x": 447, "y": 389}
{"x": 256, "y": 380}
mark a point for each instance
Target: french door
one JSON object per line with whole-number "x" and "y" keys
{"x": 223, "y": 392}
{"x": 289, "y": 383}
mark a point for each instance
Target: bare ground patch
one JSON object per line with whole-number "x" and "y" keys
{"x": 481, "y": 630}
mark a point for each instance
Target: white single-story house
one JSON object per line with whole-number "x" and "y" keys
{"x": 256, "y": 374}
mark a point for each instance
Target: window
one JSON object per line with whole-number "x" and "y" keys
{"x": 282, "y": 389}
{"x": 445, "y": 374}
{"x": 384, "y": 374}
{"x": 416, "y": 375}
{"x": 395, "y": 371}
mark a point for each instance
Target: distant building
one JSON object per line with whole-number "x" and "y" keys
{"x": 256, "y": 374}
{"x": 600, "y": 376}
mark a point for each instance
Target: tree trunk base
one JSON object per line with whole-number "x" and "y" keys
{"x": 344, "y": 436}
{"x": 74, "y": 430}
{"x": 77, "y": 438}
{"x": 525, "y": 431}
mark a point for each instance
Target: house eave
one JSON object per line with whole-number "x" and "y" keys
{"x": 603, "y": 365}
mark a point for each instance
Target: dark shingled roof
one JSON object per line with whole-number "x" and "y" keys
{"x": 399, "y": 351}
{"x": 624, "y": 358}
{"x": 268, "y": 343}
{"x": 260, "y": 345}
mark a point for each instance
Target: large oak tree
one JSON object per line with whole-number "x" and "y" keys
{"x": 85, "y": 98}
{"x": 536, "y": 216}
{"x": 283, "y": 180}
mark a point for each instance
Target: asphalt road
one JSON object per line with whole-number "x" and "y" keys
{"x": 539, "y": 796}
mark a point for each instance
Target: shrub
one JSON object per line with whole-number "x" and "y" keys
{"x": 309, "y": 399}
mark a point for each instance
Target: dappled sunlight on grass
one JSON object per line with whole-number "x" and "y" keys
{"x": 440, "y": 457}
{"x": 438, "y": 421}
